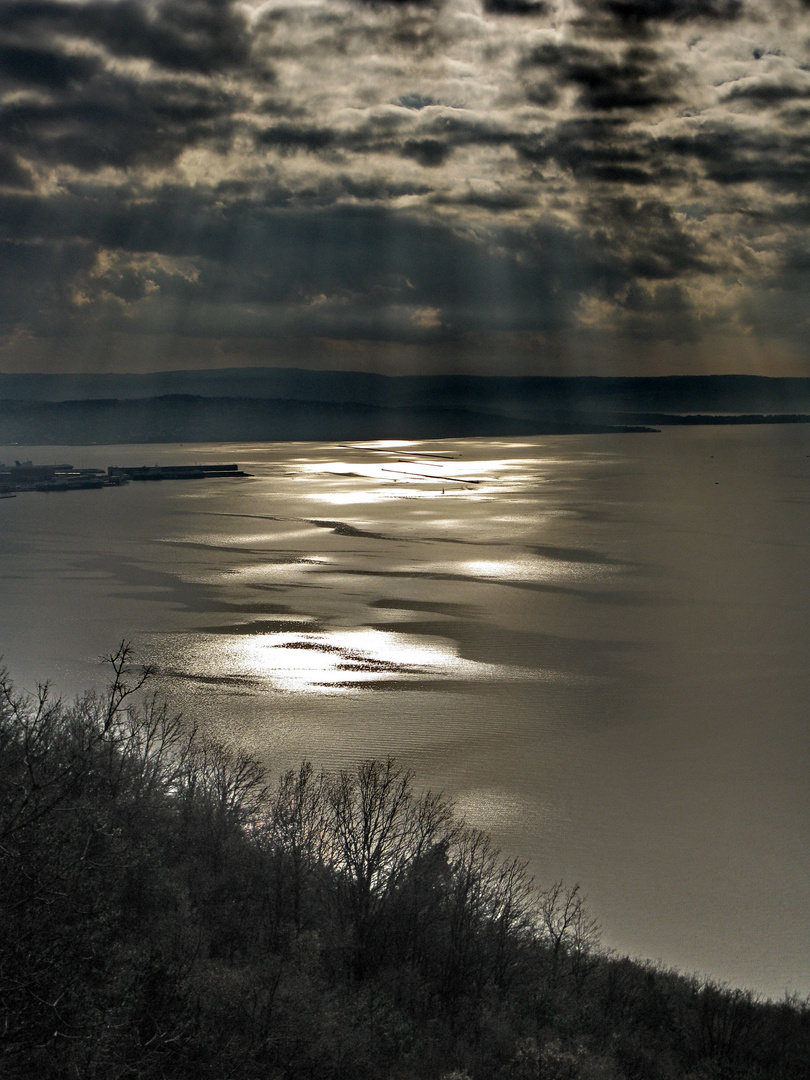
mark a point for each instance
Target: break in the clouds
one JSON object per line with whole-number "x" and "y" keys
{"x": 496, "y": 185}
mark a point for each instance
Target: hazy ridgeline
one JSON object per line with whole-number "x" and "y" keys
{"x": 168, "y": 911}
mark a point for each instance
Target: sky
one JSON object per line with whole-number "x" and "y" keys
{"x": 486, "y": 186}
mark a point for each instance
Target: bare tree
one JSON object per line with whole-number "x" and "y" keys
{"x": 294, "y": 830}
{"x": 571, "y": 934}
{"x": 49, "y": 750}
{"x": 489, "y": 916}
{"x": 228, "y": 783}
{"x": 379, "y": 830}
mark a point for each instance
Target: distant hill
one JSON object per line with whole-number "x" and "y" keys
{"x": 671, "y": 393}
{"x": 283, "y": 404}
{"x": 184, "y": 418}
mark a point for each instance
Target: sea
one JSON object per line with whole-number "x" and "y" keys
{"x": 595, "y": 645}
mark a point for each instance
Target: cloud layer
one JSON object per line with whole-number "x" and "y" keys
{"x": 506, "y": 185}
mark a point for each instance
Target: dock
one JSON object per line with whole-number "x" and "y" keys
{"x": 173, "y": 472}
{"x": 25, "y": 476}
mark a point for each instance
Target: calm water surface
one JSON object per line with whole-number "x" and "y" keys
{"x": 597, "y": 645}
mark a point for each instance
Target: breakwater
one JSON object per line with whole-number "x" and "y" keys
{"x": 26, "y": 476}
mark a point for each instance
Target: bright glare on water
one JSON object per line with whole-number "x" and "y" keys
{"x": 596, "y": 645}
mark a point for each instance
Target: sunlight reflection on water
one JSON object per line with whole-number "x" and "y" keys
{"x": 524, "y": 569}
{"x": 340, "y": 660}
{"x": 498, "y": 808}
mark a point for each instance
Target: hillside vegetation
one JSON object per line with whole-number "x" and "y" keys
{"x": 168, "y": 911}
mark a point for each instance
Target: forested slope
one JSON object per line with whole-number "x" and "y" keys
{"x": 168, "y": 911}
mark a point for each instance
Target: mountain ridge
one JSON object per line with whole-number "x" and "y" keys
{"x": 289, "y": 404}
{"x": 733, "y": 393}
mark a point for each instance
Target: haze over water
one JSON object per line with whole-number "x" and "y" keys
{"x": 596, "y": 644}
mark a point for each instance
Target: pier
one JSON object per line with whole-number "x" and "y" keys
{"x": 25, "y": 476}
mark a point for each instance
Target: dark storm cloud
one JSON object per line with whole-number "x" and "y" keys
{"x": 357, "y": 266}
{"x": 397, "y": 3}
{"x": 663, "y": 310}
{"x": 43, "y": 67}
{"x": 428, "y": 152}
{"x": 794, "y": 264}
{"x": 606, "y": 150}
{"x": 731, "y": 156}
{"x": 461, "y": 129}
{"x": 415, "y": 101}
{"x": 404, "y": 172}
{"x": 182, "y": 35}
{"x": 36, "y": 281}
{"x": 634, "y": 13}
{"x": 427, "y": 139}
{"x": 646, "y": 239}
{"x": 768, "y": 94}
{"x": 495, "y": 200}
{"x": 73, "y": 107}
{"x": 351, "y": 28}
{"x": 12, "y": 174}
{"x": 634, "y": 80}
{"x": 289, "y": 137}
{"x": 117, "y": 121}
{"x": 338, "y": 187}
{"x": 516, "y": 7}
{"x": 350, "y": 270}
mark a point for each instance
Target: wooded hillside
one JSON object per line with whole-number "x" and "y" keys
{"x": 169, "y": 911}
